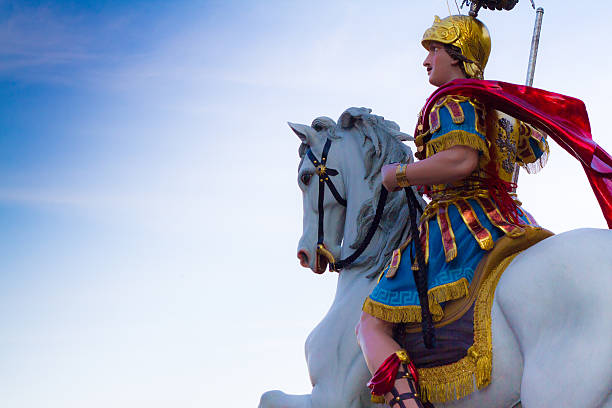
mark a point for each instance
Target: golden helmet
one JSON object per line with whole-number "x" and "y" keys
{"x": 467, "y": 33}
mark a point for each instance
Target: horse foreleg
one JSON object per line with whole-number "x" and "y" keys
{"x": 337, "y": 371}
{"x": 337, "y": 368}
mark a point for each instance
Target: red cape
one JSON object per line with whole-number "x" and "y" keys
{"x": 562, "y": 117}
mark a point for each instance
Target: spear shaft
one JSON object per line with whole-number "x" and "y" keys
{"x": 533, "y": 56}
{"x": 535, "y": 41}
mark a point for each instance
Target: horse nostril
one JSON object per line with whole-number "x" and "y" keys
{"x": 303, "y": 257}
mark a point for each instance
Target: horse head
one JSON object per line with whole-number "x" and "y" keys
{"x": 314, "y": 138}
{"x": 339, "y": 175}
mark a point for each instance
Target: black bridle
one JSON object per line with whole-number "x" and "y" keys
{"x": 420, "y": 275}
{"x": 324, "y": 174}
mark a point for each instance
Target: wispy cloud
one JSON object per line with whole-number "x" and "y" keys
{"x": 46, "y": 43}
{"x": 37, "y": 36}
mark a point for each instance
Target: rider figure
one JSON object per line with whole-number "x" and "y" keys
{"x": 468, "y": 156}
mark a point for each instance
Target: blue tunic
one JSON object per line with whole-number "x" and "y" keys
{"x": 462, "y": 222}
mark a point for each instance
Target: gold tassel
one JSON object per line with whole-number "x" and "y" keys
{"x": 447, "y": 383}
{"x": 484, "y": 365}
{"x": 377, "y": 399}
{"x": 486, "y": 243}
{"x": 402, "y": 355}
{"x": 451, "y": 254}
{"x": 395, "y": 262}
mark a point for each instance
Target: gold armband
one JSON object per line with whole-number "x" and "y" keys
{"x": 400, "y": 176}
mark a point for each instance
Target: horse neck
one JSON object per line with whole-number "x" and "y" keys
{"x": 358, "y": 191}
{"x": 352, "y": 279}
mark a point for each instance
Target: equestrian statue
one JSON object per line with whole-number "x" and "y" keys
{"x": 462, "y": 300}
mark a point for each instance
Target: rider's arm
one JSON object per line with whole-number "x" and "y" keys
{"x": 446, "y": 166}
{"x": 456, "y": 147}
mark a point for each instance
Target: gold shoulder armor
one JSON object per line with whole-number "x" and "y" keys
{"x": 452, "y": 105}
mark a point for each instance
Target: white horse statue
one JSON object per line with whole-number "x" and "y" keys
{"x": 552, "y": 310}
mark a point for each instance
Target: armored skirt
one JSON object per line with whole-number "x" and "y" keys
{"x": 463, "y": 220}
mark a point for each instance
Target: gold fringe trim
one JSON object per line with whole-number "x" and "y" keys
{"x": 456, "y": 380}
{"x": 412, "y": 313}
{"x": 455, "y": 138}
{"x": 449, "y": 291}
{"x": 398, "y": 314}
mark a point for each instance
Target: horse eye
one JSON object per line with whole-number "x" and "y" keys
{"x": 306, "y": 178}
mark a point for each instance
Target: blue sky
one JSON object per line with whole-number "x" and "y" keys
{"x": 148, "y": 202}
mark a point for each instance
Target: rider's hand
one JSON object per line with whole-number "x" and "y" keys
{"x": 388, "y": 177}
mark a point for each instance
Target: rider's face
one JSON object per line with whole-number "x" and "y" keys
{"x": 441, "y": 67}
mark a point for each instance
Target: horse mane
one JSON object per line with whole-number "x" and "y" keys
{"x": 382, "y": 142}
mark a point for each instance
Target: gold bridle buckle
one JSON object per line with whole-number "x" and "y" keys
{"x": 321, "y": 169}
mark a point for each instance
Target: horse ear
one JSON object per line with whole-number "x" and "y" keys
{"x": 349, "y": 116}
{"x": 306, "y": 134}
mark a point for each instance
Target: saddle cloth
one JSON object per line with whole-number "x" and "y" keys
{"x": 464, "y": 349}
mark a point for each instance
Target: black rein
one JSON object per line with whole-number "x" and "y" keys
{"x": 420, "y": 275}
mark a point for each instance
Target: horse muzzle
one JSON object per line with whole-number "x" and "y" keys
{"x": 323, "y": 258}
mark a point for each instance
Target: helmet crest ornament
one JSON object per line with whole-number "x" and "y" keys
{"x": 475, "y": 5}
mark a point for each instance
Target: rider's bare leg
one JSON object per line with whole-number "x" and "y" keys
{"x": 375, "y": 337}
